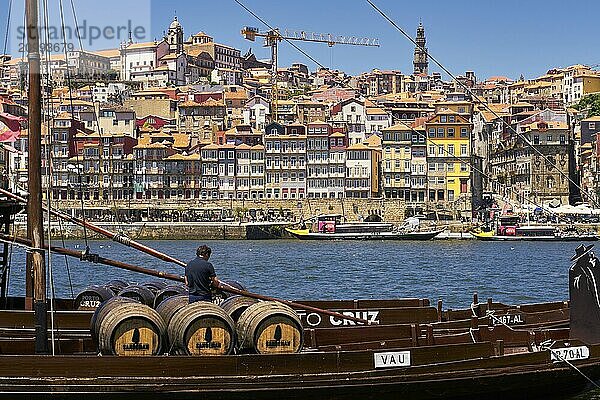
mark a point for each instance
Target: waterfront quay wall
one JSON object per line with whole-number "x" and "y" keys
{"x": 154, "y": 231}
{"x": 390, "y": 210}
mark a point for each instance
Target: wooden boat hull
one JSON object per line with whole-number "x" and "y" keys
{"x": 466, "y": 371}
{"x": 305, "y": 234}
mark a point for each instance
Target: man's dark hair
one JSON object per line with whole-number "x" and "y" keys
{"x": 203, "y": 251}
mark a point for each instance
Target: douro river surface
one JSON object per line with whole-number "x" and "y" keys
{"x": 448, "y": 270}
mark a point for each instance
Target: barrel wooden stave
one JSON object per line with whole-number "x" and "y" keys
{"x": 116, "y": 285}
{"x": 155, "y": 286}
{"x": 201, "y": 328}
{"x": 169, "y": 291}
{"x": 270, "y": 327}
{"x": 103, "y": 309}
{"x": 140, "y": 293}
{"x": 130, "y": 329}
{"x": 170, "y": 306}
{"x": 234, "y": 306}
{"x": 91, "y": 297}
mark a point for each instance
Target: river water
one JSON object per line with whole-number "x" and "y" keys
{"x": 520, "y": 272}
{"x": 449, "y": 270}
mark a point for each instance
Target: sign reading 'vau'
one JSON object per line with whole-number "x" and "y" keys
{"x": 392, "y": 359}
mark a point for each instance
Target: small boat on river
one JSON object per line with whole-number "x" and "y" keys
{"x": 332, "y": 227}
{"x": 510, "y": 229}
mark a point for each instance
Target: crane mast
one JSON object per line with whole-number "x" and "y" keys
{"x": 274, "y": 36}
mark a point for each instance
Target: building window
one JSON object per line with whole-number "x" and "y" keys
{"x": 450, "y": 132}
{"x": 431, "y": 132}
{"x": 463, "y": 132}
{"x": 463, "y": 150}
{"x": 440, "y": 132}
{"x": 536, "y": 139}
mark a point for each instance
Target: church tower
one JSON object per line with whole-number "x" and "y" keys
{"x": 175, "y": 37}
{"x": 420, "y": 62}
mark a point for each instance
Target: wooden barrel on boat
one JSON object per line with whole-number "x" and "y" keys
{"x": 139, "y": 293}
{"x": 91, "y": 297}
{"x": 270, "y": 327}
{"x": 236, "y": 285}
{"x": 171, "y": 305}
{"x": 104, "y": 308}
{"x": 201, "y": 328}
{"x": 169, "y": 291}
{"x": 116, "y": 285}
{"x": 129, "y": 328}
{"x": 234, "y": 306}
{"x": 221, "y": 295}
{"x": 155, "y": 286}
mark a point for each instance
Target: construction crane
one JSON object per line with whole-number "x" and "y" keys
{"x": 274, "y": 36}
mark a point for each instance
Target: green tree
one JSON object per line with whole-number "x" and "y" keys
{"x": 590, "y": 104}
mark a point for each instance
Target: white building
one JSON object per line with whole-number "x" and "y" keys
{"x": 140, "y": 58}
{"x": 255, "y": 112}
{"x": 377, "y": 119}
{"x": 113, "y": 92}
{"x": 351, "y": 114}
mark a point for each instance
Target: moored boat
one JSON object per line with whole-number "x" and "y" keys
{"x": 331, "y": 227}
{"x": 510, "y": 229}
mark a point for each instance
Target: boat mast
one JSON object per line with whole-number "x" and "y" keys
{"x": 36, "y": 270}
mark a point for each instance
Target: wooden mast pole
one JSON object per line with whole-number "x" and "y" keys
{"x": 35, "y": 229}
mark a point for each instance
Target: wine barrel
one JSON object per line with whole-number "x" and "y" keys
{"x": 270, "y": 327}
{"x": 116, "y": 285}
{"x": 91, "y": 297}
{"x": 201, "y": 328}
{"x": 155, "y": 286}
{"x": 104, "y": 308}
{"x": 171, "y": 305}
{"x": 140, "y": 293}
{"x": 236, "y": 285}
{"x": 169, "y": 291}
{"x": 234, "y": 306}
{"x": 130, "y": 329}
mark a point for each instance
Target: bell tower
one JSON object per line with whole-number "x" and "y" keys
{"x": 420, "y": 62}
{"x": 175, "y": 37}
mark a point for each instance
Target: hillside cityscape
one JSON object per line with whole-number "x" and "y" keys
{"x": 188, "y": 120}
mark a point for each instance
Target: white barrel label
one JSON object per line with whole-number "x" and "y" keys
{"x": 570, "y": 353}
{"x": 392, "y": 359}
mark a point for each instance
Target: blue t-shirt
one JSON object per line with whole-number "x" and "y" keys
{"x": 199, "y": 273}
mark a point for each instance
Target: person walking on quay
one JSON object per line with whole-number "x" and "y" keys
{"x": 200, "y": 276}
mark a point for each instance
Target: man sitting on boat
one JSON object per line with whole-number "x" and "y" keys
{"x": 200, "y": 276}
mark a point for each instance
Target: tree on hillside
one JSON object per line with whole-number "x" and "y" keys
{"x": 590, "y": 104}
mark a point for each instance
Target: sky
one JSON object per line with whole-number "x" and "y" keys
{"x": 508, "y": 37}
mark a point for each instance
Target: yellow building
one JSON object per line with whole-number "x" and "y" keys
{"x": 448, "y": 159}
{"x": 396, "y": 161}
